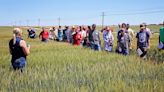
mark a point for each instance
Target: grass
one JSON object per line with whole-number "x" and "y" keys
{"x": 61, "y": 67}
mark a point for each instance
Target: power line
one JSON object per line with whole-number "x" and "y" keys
{"x": 138, "y": 13}
{"x": 138, "y": 10}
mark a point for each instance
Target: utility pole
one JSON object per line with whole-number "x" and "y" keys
{"x": 38, "y": 22}
{"x": 103, "y": 14}
{"x": 27, "y": 21}
{"x": 20, "y": 23}
{"x": 15, "y": 23}
{"x": 59, "y": 21}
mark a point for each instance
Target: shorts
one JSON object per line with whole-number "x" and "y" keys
{"x": 19, "y": 63}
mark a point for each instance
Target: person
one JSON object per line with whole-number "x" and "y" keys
{"x": 71, "y": 33}
{"x": 123, "y": 26}
{"x": 123, "y": 41}
{"x": 19, "y": 50}
{"x": 147, "y": 29}
{"x": 77, "y": 37}
{"x": 96, "y": 38}
{"x": 161, "y": 39}
{"x": 131, "y": 35}
{"x": 90, "y": 38}
{"x": 143, "y": 40}
{"x": 31, "y": 33}
{"x": 108, "y": 39}
{"x": 64, "y": 33}
{"x": 56, "y": 33}
{"x": 60, "y": 34}
{"x": 84, "y": 36}
{"x": 67, "y": 33}
{"x": 52, "y": 35}
{"x": 44, "y": 35}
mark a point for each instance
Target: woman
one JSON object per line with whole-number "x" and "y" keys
{"x": 123, "y": 41}
{"x": 44, "y": 35}
{"x": 52, "y": 35}
{"x": 77, "y": 37}
{"x": 108, "y": 39}
{"x": 18, "y": 49}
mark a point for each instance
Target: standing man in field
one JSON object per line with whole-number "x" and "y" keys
{"x": 89, "y": 37}
{"x": 18, "y": 49}
{"x": 96, "y": 38}
{"x": 143, "y": 39}
{"x": 44, "y": 35}
{"x": 60, "y": 34}
{"x": 64, "y": 33}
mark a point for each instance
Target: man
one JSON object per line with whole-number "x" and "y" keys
{"x": 143, "y": 39}
{"x": 64, "y": 33}
{"x": 44, "y": 35}
{"x": 96, "y": 38}
{"x": 90, "y": 37}
{"x": 60, "y": 34}
{"x": 31, "y": 33}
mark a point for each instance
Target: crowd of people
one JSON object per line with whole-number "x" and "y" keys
{"x": 86, "y": 36}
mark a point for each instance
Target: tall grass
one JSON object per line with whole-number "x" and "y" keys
{"x": 61, "y": 67}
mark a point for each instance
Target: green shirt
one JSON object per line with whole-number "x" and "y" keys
{"x": 162, "y": 34}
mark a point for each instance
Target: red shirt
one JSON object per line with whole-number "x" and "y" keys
{"x": 77, "y": 37}
{"x": 44, "y": 34}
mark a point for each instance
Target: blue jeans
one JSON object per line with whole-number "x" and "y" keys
{"x": 19, "y": 63}
{"x": 45, "y": 40}
{"x": 125, "y": 52}
{"x": 97, "y": 47}
{"x": 91, "y": 45}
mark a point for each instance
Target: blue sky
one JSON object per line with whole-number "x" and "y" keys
{"x": 82, "y": 12}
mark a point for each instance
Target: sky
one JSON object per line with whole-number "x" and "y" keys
{"x": 80, "y": 12}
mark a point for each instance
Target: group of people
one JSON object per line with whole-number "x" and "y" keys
{"x": 87, "y": 36}
{"x": 79, "y": 35}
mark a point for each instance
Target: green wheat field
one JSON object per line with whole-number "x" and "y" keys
{"x": 61, "y": 67}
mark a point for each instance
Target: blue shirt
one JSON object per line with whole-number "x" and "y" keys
{"x": 142, "y": 38}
